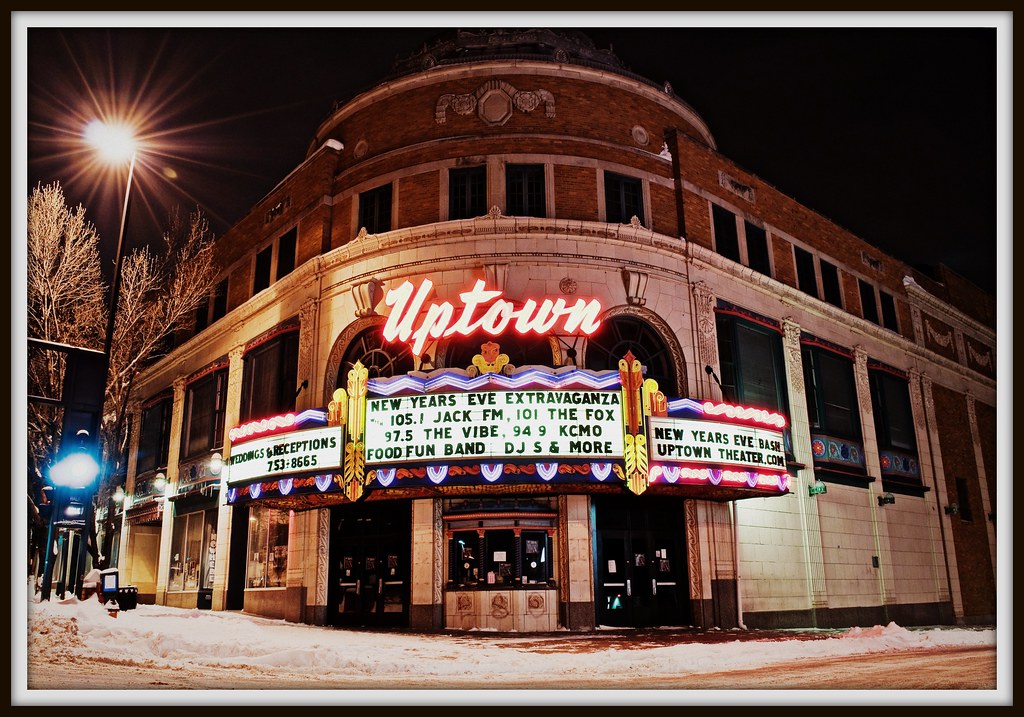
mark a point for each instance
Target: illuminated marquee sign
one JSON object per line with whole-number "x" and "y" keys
{"x": 682, "y": 440}
{"x": 494, "y": 424}
{"x": 316, "y": 449}
{"x": 441, "y": 321}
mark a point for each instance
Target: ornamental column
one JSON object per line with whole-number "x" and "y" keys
{"x": 124, "y": 564}
{"x": 986, "y": 503}
{"x": 951, "y": 589}
{"x": 800, "y": 431}
{"x": 879, "y": 514}
{"x": 167, "y": 522}
{"x": 232, "y": 407}
{"x": 426, "y": 609}
{"x": 306, "y": 370}
{"x": 707, "y": 341}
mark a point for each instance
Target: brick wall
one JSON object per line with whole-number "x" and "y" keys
{"x": 576, "y": 192}
{"x": 418, "y": 199}
{"x": 970, "y": 538}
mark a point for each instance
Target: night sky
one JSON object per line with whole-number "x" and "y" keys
{"x": 889, "y": 132}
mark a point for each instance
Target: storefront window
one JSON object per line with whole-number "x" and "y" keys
{"x": 268, "y": 547}
{"x": 193, "y": 547}
{"x": 499, "y": 545}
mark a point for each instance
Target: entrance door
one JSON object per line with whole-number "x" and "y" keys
{"x": 641, "y": 578}
{"x": 370, "y": 547}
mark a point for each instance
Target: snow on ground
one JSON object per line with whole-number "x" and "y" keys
{"x": 189, "y": 640}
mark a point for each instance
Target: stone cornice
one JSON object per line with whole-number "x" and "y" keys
{"x": 490, "y": 68}
{"x": 948, "y": 311}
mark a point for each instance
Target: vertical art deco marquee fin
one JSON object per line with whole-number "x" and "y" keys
{"x": 634, "y": 437}
{"x": 348, "y": 408}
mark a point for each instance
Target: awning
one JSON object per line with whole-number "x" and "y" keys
{"x": 152, "y": 512}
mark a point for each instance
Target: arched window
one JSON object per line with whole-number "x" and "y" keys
{"x": 382, "y": 360}
{"x": 620, "y": 334}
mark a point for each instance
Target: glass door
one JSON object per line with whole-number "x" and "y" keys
{"x": 640, "y": 572}
{"x": 370, "y": 547}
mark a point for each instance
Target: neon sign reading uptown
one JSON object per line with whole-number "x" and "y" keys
{"x": 438, "y": 321}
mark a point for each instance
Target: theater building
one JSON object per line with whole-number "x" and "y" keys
{"x": 515, "y": 347}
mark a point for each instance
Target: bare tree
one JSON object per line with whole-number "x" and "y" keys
{"x": 160, "y": 293}
{"x": 64, "y": 304}
{"x": 161, "y": 289}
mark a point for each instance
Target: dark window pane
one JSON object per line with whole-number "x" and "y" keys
{"x": 261, "y": 277}
{"x": 750, "y": 358}
{"x": 963, "y": 499}
{"x": 620, "y": 334}
{"x": 202, "y": 316}
{"x": 375, "y": 210}
{"x": 623, "y": 198}
{"x": 220, "y": 299}
{"x": 286, "y": 253}
{"x": 837, "y": 399}
{"x": 726, "y": 242}
{"x": 889, "y": 312}
{"x": 757, "y": 249}
{"x": 830, "y": 284}
{"x": 154, "y": 437}
{"x": 524, "y": 190}
{"x": 467, "y": 193}
{"x": 204, "y": 414}
{"x": 806, "y": 280}
{"x": 867, "y": 301}
{"x": 269, "y": 378}
{"x": 894, "y": 421}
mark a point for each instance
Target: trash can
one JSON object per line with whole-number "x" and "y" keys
{"x": 108, "y": 584}
{"x": 205, "y": 600}
{"x": 127, "y": 597}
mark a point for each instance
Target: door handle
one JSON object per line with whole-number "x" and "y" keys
{"x": 654, "y": 586}
{"x": 629, "y": 589}
{"x": 380, "y": 586}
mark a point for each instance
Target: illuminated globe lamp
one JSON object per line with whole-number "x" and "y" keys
{"x": 73, "y": 478}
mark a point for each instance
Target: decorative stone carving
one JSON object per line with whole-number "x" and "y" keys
{"x": 494, "y": 212}
{"x": 667, "y": 334}
{"x": 496, "y": 276}
{"x": 567, "y": 286}
{"x": 634, "y": 222}
{"x": 494, "y": 102}
{"x": 307, "y": 334}
{"x": 361, "y": 148}
{"x": 640, "y": 136}
{"x": 915, "y": 317}
{"x": 636, "y": 285}
{"x": 791, "y": 331}
{"x": 704, "y": 313}
{"x": 916, "y": 402}
{"x": 323, "y": 530}
{"x": 860, "y": 374}
{"x": 984, "y": 360}
{"x": 367, "y": 295}
{"x": 362, "y": 234}
{"x": 692, "y": 548}
{"x": 438, "y": 553}
{"x": 929, "y": 398}
{"x": 665, "y": 151}
{"x": 944, "y": 340}
{"x": 736, "y": 186}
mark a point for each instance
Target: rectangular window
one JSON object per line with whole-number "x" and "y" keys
{"x": 806, "y": 280}
{"x": 830, "y": 283}
{"x": 154, "y": 437}
{"x": 757, "y": 249}
{"x": 869, "y": 307}
{"x": 726, "y": 240}
{"x": 267, "y": 554}
{"x": 205, "y": 401}
{"x": 750, "y": 358}
{"x": 890, "y": 403}
{"x": 286, "y": 253}
{"x": 623, "y": 199}
{"x": 499, "y": 557}
{"x": 888, "y": 311}
{"x": 467, "y": 193}
{"x": 831, "y": 394}
{"x": 524, "y": 190}
{"x": 261, "y": 275}
{"x": 375, "y": 210}
{"x": 269, "y": 376}
{"x": 963, "y": 500}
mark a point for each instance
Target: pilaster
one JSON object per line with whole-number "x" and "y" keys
{"x": 167, "y": 523}
{"x": 979, "y": 461}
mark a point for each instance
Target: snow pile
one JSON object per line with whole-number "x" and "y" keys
{"x": 195, "y": 639}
